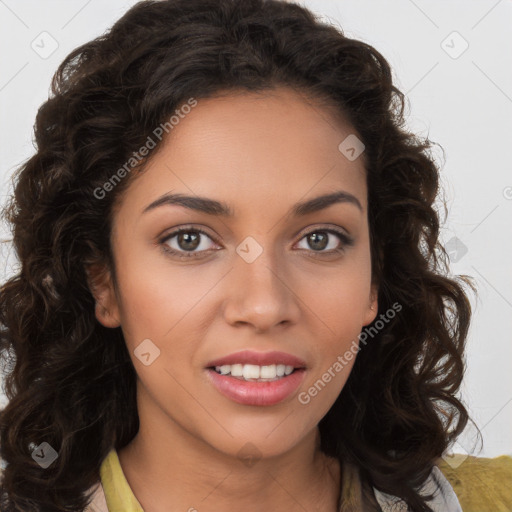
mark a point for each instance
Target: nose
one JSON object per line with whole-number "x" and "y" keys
{"x": 261, "y": 293}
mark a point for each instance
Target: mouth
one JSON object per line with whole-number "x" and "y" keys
{"x": 255, "y": 373}
{"x": 249, "y": 377}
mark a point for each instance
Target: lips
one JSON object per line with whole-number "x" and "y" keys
{"x": 257, "y": 393}
{"x": 259, "y": 359}
{"x": 260, "y": 392}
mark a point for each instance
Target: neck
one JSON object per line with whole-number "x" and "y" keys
{"x": 170, "y": 469}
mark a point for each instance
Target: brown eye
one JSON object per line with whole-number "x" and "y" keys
{"x": 186, "y": 242}
{"x": 318, "y": 240}
{"x": 321, "y": 239}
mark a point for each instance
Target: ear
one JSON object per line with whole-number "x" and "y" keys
{"x": 373, "y": 306}
{"x": 101, "y": 286}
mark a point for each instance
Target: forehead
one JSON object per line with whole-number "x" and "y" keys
{"x": 253, "y": 148}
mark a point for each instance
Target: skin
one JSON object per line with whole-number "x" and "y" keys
{"x": 261, "y": 154}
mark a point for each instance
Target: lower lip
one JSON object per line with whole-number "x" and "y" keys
{"x": 256, "y": 393}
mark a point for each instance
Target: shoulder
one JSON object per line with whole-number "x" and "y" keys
{"x": 463, "y": 483}
{"x": 481, "y": 484}
{"x": 444, "y": 497}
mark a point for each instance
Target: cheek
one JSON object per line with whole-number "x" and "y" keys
{"x": 339, "y": 302}
{"x": 326, "y": 383}
{"x": 341, "y": 299}
{"x": 155, "y": 295}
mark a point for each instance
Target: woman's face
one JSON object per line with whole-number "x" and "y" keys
{"x": 263, "y": 279}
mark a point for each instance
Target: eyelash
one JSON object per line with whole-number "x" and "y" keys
{"x": 346, "y": 241}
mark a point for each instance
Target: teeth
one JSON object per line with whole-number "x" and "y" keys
{"x": 267, "y": 372}
{"x": 253, "y": 371}
{"x": 236, "y": 370}
{"x": 224, "y": 369}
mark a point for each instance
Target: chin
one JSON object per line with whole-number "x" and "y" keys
{"x": 270, "y": 440}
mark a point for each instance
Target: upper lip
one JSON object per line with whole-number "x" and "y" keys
{"x": 259, "y": 358}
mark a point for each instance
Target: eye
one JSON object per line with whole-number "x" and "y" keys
{"x": 322, "y": 238}
{"x": 187, "y": 241}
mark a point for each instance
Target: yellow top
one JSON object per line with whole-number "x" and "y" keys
{"x": 481, "y": 484}
{"x": 118, "y": 493}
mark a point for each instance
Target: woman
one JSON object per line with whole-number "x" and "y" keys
{"x": 232, "y": 289}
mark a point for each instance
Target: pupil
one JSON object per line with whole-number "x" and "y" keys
{"x": 186, "y": 237}
{"x": 316, "y": 237}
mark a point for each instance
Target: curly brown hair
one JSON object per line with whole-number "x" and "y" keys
{"x": 70, "y": 381}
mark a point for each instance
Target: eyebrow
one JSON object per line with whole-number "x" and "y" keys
{"x": 218, "y": 208}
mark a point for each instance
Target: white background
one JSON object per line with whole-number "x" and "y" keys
{"x": 461, "y": 100}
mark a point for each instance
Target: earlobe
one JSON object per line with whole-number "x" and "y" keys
{"x": 373, "y": 306}
{"x": 106, "y": 316}
{"x": 102, "y": 289}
